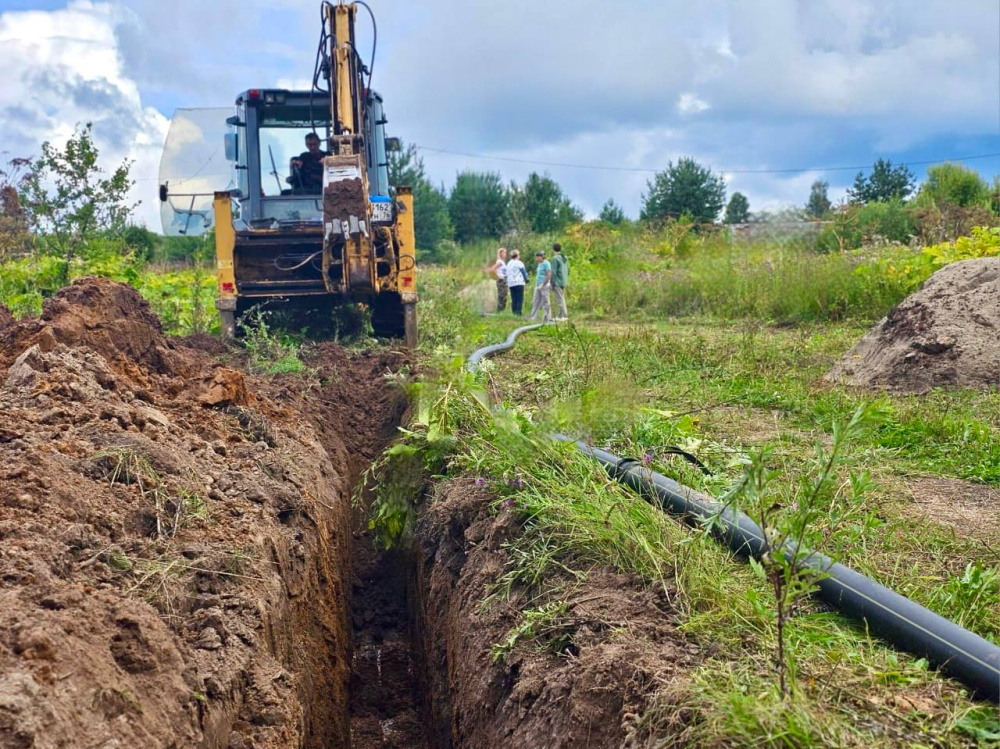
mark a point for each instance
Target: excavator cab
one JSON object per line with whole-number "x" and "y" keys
{"x": 310, "y": 225}
{"x": 269, "y": 132}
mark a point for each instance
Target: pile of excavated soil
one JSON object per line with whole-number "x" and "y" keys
{"x": 947, "y": 334}
{"x": 615, "y": 652}
{"x": 174, "y": 533}
{"x": 343, "y": 199}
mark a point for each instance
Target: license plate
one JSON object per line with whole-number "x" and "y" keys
{"x": 382, "y": 213}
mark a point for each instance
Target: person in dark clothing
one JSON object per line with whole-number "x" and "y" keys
{"x": 307, "y": 169}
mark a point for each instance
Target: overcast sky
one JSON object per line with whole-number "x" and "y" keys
{"x": 740, "y": 85}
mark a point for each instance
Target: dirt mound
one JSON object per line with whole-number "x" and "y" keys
{"x": 174, "y": 534}
{"x": 945, "y": 334}
{"x": 6, "y": 318}
{"x": 611, "y": 652}
{"x": 109, "y": 318}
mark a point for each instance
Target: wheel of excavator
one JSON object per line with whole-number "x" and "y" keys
{"x": 388, "y": 318}
{"x": 393, "y": 319}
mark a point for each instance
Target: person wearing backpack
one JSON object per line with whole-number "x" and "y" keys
{"x": 560, "y": 278}
{"x": 517, "y": 276}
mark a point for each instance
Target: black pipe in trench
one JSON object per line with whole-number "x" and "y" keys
{"x": 909, "y": 626}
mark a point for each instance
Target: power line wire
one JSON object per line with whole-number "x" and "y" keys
{"x": 723, "y": 171}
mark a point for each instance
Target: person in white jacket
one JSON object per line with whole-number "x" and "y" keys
{"x": 517, "y": 276}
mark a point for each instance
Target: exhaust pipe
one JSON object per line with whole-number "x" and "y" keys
{"x": 905, "y": 624}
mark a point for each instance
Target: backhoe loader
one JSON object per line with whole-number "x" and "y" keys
{"x": 309, "y": 230}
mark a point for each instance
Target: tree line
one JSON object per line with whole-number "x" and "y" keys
{"x": 482, "y": 205}
{"x": 63, "y": 199}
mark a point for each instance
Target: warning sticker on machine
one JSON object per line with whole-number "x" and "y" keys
{"x": 340, "y": 173}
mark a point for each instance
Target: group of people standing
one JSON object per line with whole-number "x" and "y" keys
{"x": 551, "y": 279}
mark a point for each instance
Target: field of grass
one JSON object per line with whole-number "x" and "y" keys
{"x": 637, "y": 272}
{"x": 181, "y": 293}
{"x": 738, "y": 384}
{"x": 718, "y": 349}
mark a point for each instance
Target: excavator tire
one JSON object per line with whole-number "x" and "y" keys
{"x": 393, "y": 319}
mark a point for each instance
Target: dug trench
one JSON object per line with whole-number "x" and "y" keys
{"x": 175, "y": 533}
{"x": 181, "y": 563}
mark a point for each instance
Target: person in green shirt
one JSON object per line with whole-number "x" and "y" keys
{"x": 560, "y": 278}
{"x": 543, "y": 282}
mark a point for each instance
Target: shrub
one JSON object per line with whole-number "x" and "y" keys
{"x": 856, "y": 224}
{"x": 184, "y": 299}
{"x": 984, "y": 242}
{"x": 945, "y": 222}
{"x": 444, "y": 316}
{"x": 953, "y": 184}
{"x": 25, "y": 282}
{"x": 269, "y": 351}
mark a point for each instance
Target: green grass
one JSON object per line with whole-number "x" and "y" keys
{"x": 724, "y": 386}
{"x": 182, "y": 294}
{"x": 851, "y": 689}
{"x": 713, "y": 368}
{"x": 723, "y": 391}
{"x": 637, "y": 272}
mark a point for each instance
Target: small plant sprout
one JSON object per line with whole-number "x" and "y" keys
{"x": 819, "y": 515}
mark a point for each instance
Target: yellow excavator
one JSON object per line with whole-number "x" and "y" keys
{"x": 309, "y": 218}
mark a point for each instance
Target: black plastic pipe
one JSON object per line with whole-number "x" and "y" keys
{"x": 906, "y": 624}
{"x": 909, "y": 626}
{"x": 476, "y": 357}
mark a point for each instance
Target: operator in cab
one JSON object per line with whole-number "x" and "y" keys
{"x": 307, "y": 169}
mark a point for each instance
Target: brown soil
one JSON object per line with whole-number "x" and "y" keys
{"x": 174, "y": 534}
{"x": 344, "y": 199}
{"x": 945, "y": 334}
{"x": 387, "y": 703}
{"x": 180, "y": 567}
{"x": 971, "y": 509}
{"x": 616, "y": 651}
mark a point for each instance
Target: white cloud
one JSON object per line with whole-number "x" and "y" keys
{"x": 62, "y": 68}
{"x": 724, "y": 48}
{"x": 689, "y": 103}
{"x": 736, "y": 85}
